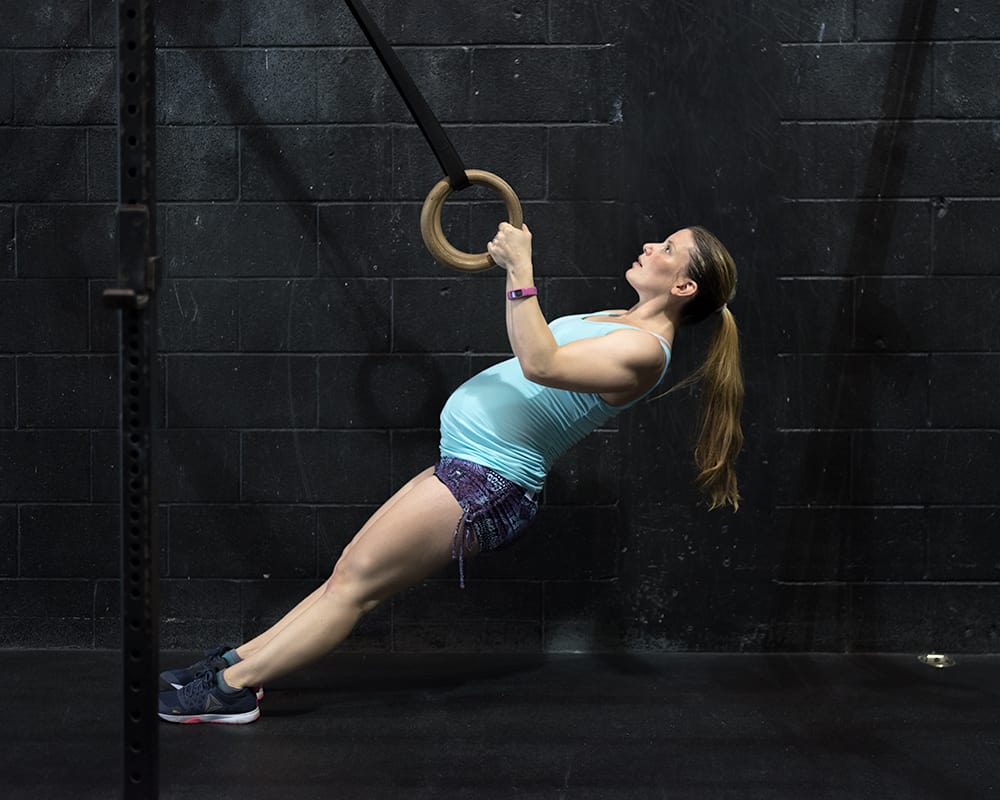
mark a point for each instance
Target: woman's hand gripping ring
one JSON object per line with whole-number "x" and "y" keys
{"x": 433, "y": 234}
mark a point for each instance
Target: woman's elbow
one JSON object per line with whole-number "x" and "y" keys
{"x": 532, "y": 372}
{"x": 536, "y": 371}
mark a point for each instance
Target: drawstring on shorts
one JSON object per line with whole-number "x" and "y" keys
{"x": 458, "y": 549}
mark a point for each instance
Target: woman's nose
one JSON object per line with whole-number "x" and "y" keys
{"x": 646, "y": 248}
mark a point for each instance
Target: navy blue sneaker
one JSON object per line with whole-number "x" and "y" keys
{"x": 203, "y": 701}
{"x": 176, "y": 678}
{"x": 213, "y": 660}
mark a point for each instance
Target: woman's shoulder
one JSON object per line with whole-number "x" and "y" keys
{"x": 630, "y": 326}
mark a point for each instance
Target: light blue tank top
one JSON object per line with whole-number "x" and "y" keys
{"x": 503, "y": 421}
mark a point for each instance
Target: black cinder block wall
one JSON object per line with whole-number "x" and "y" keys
{"x": 845, "y": 150}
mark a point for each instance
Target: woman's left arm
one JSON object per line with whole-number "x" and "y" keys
{"x": 619, "y": 362}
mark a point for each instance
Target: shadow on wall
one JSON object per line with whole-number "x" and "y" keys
{"x": 809, "y": 617}
{"x": 287, "y": 184}
{"x": 702, "y": 145}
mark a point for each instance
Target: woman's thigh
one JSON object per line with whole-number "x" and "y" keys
{"x": 409, "y": 539}
{"x": 388, "y": 504}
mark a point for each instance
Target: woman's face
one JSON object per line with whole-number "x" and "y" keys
{"x": 662, "y": 266}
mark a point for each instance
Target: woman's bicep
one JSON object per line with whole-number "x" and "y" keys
{"x": 618, "y": 362}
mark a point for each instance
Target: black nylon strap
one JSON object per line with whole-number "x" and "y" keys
{"x": 443, "y": 149}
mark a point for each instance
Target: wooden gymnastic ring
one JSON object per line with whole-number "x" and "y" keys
{"x": 433, "y": 234}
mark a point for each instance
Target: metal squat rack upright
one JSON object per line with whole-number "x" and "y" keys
{"x": 138, "y": 281}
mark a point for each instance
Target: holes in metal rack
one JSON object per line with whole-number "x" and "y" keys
{"x": 136, "y": 110}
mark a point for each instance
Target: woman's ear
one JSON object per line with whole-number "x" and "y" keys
{"x": 685, "y": 287}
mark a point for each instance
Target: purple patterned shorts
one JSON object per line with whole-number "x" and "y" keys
{"x": 494, "y": 510}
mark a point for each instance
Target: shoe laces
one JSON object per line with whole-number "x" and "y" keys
{"x": 197, "y": 689}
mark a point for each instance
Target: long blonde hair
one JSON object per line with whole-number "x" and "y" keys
{"x": 720, "y": 438}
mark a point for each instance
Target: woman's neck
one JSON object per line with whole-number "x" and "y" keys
{"x": 652, "y": 316}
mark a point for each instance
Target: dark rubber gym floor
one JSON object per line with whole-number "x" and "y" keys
{"x": 677, "y": 726}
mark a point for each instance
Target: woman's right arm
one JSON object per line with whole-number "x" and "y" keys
{"x": 624, "y": 361}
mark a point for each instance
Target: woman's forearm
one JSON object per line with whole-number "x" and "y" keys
{"x": 530, "y": 337}
{"x": 529, "y": 334}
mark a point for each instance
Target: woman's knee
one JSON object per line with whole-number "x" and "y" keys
{"x": 350, "y": 582}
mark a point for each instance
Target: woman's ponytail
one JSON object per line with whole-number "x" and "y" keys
{"x": 721, "y": 436}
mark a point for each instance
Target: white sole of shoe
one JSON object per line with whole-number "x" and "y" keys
{"x": 219, "y": 719}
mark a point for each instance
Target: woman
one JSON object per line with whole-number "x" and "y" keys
{"x": 500, "y": 433}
